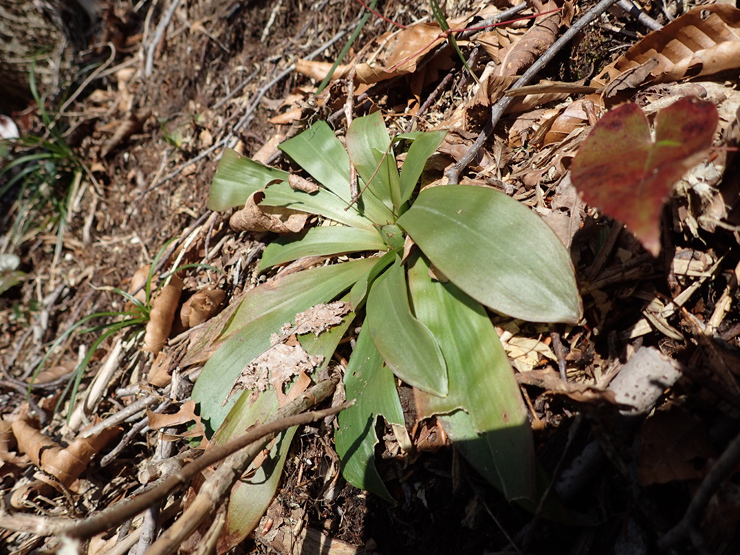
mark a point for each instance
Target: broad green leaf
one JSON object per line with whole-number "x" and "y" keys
{"x": 320, "y": 241}
{"x": 497, "y": 251}
{"x": 238, "y": 177}
{"x": 416, "y": 158}
{"x": 371, "y": 384}
{"x": 250, "y": 497}
{"x": 407, "y": 346}
{"x": 368, "y": 144}
{"x": 322, "y": 155}
{"x": 481, "y": 380}
{"x": 261, "y": 313}
{"x": 359, "y": 290}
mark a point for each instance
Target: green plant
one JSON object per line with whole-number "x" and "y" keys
{"x": 133, "y": 319}
{"x": 433, "y": 335}
{"x": 46, "y": 179}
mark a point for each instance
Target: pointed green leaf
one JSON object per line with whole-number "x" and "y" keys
{"x": 368, "y": 144}
{"x": 261, "y": 313}
{"x": 320, "y": 241}
{"x": 481, "y": 380}
{"x": 359, "y": 290}
{"x": 322, "y": 155}
{"x": 371, "y": 384}
{"x": 250, "y": 497}
{"x": 407, "y": 346}
{"x": 238, "y": 177}
{"x": 416, "y": 158}
{"x": 497, "y": 251}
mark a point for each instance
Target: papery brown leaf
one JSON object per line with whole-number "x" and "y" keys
{"x": 270, "y": 218}
{"x": 580, "y": 113}
{"x": 298, "y": 183}
{"x": 54, "y": 373}
{"x": 138, "y": 280}
{"x": 631, "y": 79}
{"x": 622, "y": 171}
{"x": 703, "y": 41}
{"x": 185, "y": 414}
{"x": 202, "y": 306}
{"x": 64, "y": 463}
{"x": 162, "y": 315}
{"x": 158, "y": 375}
{"x": 402, "y": 51}
{"x": 319, "y": 70}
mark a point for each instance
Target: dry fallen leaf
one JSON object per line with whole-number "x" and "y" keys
{"x": 269, "y": 218}
{"x": 703, "y": 41}
{"x": 162, "y": 315}
{"x": 202, "y": 306}
{"x": 64, "y": 463}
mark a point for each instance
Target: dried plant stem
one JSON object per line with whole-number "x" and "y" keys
{"x": 453, "y": 174}
{"x": 283, "y": 419}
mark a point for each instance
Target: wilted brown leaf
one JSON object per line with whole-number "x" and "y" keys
{"x": 64, "y": 463}
{"x": 202, "y": 306}
{"x": 162, "y": 315}
{"x": 269, "y": 218}
{"x": 319, "y": 70}
{"x": 133, "y": 124}
{"x": 185, "y": 414}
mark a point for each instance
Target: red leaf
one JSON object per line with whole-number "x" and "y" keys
{"x": 623, "y": 172}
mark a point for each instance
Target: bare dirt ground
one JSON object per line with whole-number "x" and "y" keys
{"x": 222, "y": 74}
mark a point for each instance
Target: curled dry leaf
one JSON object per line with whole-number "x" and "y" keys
{"x": 554, "y": 385}
{"x": 64, "y": 463}
{"x": 270, "y": 218}
{"x": 402, "y": 51}
{"x": 298, "y": 183}
{"x": 202, "y": 306}
{"x": 185, "y": 414}
{"x": 319, "y": 70}
{"x": 703, "y": 41}
{"x": 138, "y": 281}
{"x": 162, "y": 315}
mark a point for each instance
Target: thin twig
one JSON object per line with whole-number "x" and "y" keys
{"x": 453, "y": 174}
{"x": 161, "y": 26}
{"x": 642, "y": 18}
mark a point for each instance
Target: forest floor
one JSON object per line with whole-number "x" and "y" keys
{"x": 146, "y": 133}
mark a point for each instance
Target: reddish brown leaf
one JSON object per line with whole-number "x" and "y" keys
{"x": 622, "y": 171}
